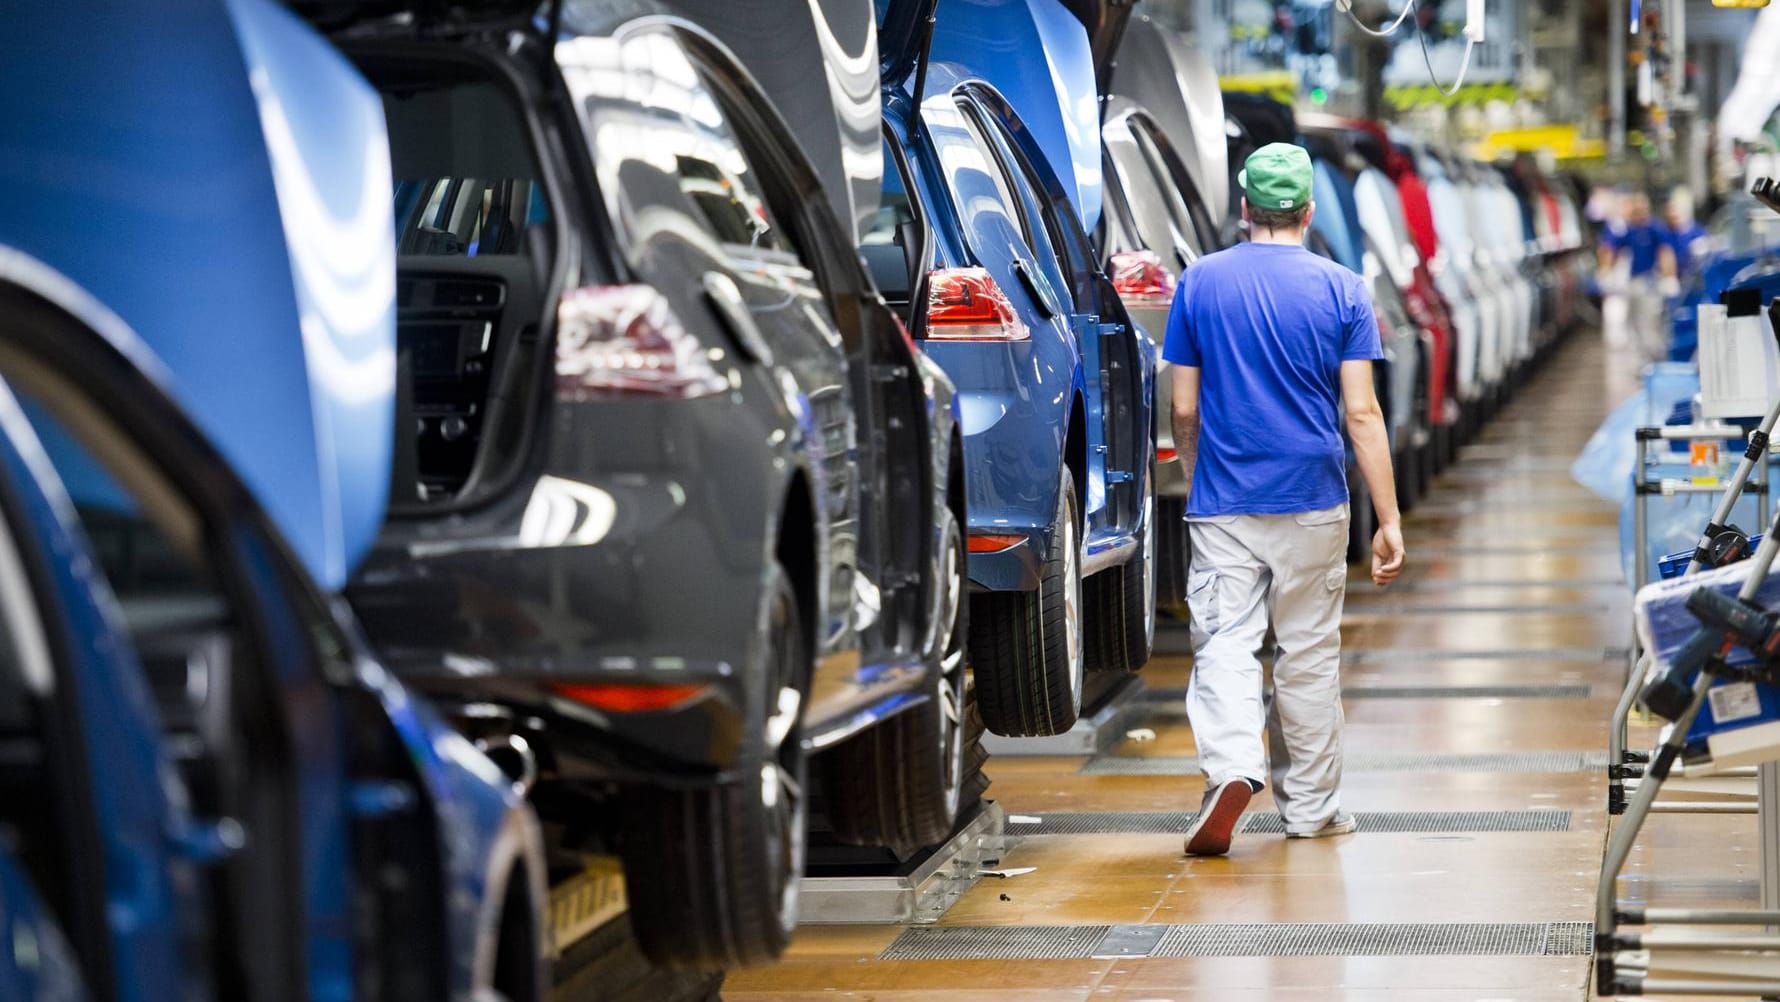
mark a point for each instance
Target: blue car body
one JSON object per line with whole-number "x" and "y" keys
{"x": 216, "y": 229}
{"x": 1029, "y": 407}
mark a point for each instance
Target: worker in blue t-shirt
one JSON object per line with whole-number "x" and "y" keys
{"x": 1642, "y": 245}
{"x": 1637, "y": 261}
{"x": 1270, "y": 343}
{"x": 1687, "y": 238}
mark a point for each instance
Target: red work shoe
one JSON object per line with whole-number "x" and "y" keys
{"x": 1218, "y": 817}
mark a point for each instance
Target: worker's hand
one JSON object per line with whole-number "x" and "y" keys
{"x": 1387, "y": 554}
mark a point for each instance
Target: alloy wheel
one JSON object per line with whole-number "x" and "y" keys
{"x": 781, "y": 783}
{"x": 952, "y": 644}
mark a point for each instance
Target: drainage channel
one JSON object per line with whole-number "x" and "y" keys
{"x": 1530, "y": 762}
{"x": 1247, "y": 939}
{"x": 1177, "y": 694}
{"x": 1267, "y": 823}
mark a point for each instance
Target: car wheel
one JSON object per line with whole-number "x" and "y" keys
{"x": 1026, "y": 646}
{"x": 1121, "y": 604}
{"x": 714, "y": 872}
{"x": 1173, "y": 556}
{"x": 899, "y": 784}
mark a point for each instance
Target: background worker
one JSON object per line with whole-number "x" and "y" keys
{"x": 1269, "y": 341}
{"x": 1687, "y": 238}
{"x": 1637, "y": 262}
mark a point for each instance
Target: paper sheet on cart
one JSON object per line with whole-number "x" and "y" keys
{"x": 1739, "y": 364}
{"x": 1664, "y": 624}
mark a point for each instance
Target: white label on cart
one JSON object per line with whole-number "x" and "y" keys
{"x": 1736, "y": 701}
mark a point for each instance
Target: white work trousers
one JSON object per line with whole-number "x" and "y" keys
{"x": 1246, "y": 570}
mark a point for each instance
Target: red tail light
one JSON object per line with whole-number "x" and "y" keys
{"x": 965, "y": 304}
{"x": 993, "y": 542}
{"x": 1140, "y": 279}
{"x": 624, "y": 340}
{"x": 1166, "y": 455}
{"x": 629, "y": 698}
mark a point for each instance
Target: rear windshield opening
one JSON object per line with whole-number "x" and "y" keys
{"x": 892, "y": 243}
{"x": 474, "y": 231}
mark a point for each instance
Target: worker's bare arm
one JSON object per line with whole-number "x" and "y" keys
{"x": 1372, "y": 449}
{"x": 1186, "y": 419}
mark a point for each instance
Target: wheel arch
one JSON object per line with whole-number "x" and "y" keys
{"x": 514, "y": 896}
{"x": 797, "y": 548}
{"x": 1075, "y": 448}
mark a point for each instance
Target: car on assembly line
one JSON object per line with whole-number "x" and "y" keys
{"x": 677, "y": 503}
{"x": 1461, "y": 277}
{"x": 990, "y": 183}
{"x": 215, "y": 787}
{"x": 1163, "y": 138}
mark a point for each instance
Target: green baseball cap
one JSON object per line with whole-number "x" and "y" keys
{"x": 1276, "y": 176}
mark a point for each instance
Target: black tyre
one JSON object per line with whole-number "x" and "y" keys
{"x": 1174, "y": 557}
{"x": 1424, "y": 466}
{"x": 899, "y": 784}
{"x": 1026, "y": 646}
{"x": 1120, "y": 626}
{"x": 714, "y": 872}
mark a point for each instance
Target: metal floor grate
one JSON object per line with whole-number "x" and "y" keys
{"x": 1376, "y": 822}
{"x": 1393, "y": 939}
{"x": 1177, "y": 695}
{"x": 1464, "y": 584}
{"x": 1528, "y": 609}
{"x": 1429, "y": 654}
{"x": 996, "y": 943}
{"x": 1259, "y": 939}
{"x": 1553, "y": 761}
{"x": 1482, "y": 549}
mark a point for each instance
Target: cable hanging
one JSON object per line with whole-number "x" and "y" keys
{"x": 1347, "y": 7}
{"x": 1427, "y": 60}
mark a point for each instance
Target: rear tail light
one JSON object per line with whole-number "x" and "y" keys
{"x": 1140, "y": 279}
{"x": 965, "y": 304}
{"x": 629, "y": 698}
{"x": 624, "y": 340}
{"x": 1166, "y": 455}
{"x": 993, "y": 542}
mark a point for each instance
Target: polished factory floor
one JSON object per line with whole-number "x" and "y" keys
{"x": 1513, "y": 583}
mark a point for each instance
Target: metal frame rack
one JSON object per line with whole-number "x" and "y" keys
{"x": 1681, "y": 950}
{"x": 1623, "y": 763}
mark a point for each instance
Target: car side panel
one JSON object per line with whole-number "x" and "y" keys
{"x": 1014, "y": 397}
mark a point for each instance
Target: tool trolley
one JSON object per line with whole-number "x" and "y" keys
{"x": 1720, "y": 543}
{"x": 1711, "y": 666}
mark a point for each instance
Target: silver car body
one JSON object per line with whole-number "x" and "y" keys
{"x": 1391, "y": 257}
{"x": 1159, "y": 69}
{"x": 1147, "y": 210}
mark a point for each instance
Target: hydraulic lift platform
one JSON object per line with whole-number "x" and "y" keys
{"x": 846, "y": 886}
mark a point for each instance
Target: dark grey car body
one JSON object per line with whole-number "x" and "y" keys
{"x": 603, "y": 540}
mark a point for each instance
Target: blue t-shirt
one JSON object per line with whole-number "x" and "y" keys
{"x": 1642, "y": 242}
{"x": 1268, "y": 326}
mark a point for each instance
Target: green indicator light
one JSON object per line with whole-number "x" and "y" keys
{"x": 1318, "y": 95}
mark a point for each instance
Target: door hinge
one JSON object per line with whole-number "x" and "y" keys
{"x": 1118, "y": 476}
{"x": 1111, "y": 330}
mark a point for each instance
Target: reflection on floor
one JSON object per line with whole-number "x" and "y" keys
{"x": 1505, "y": 639}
